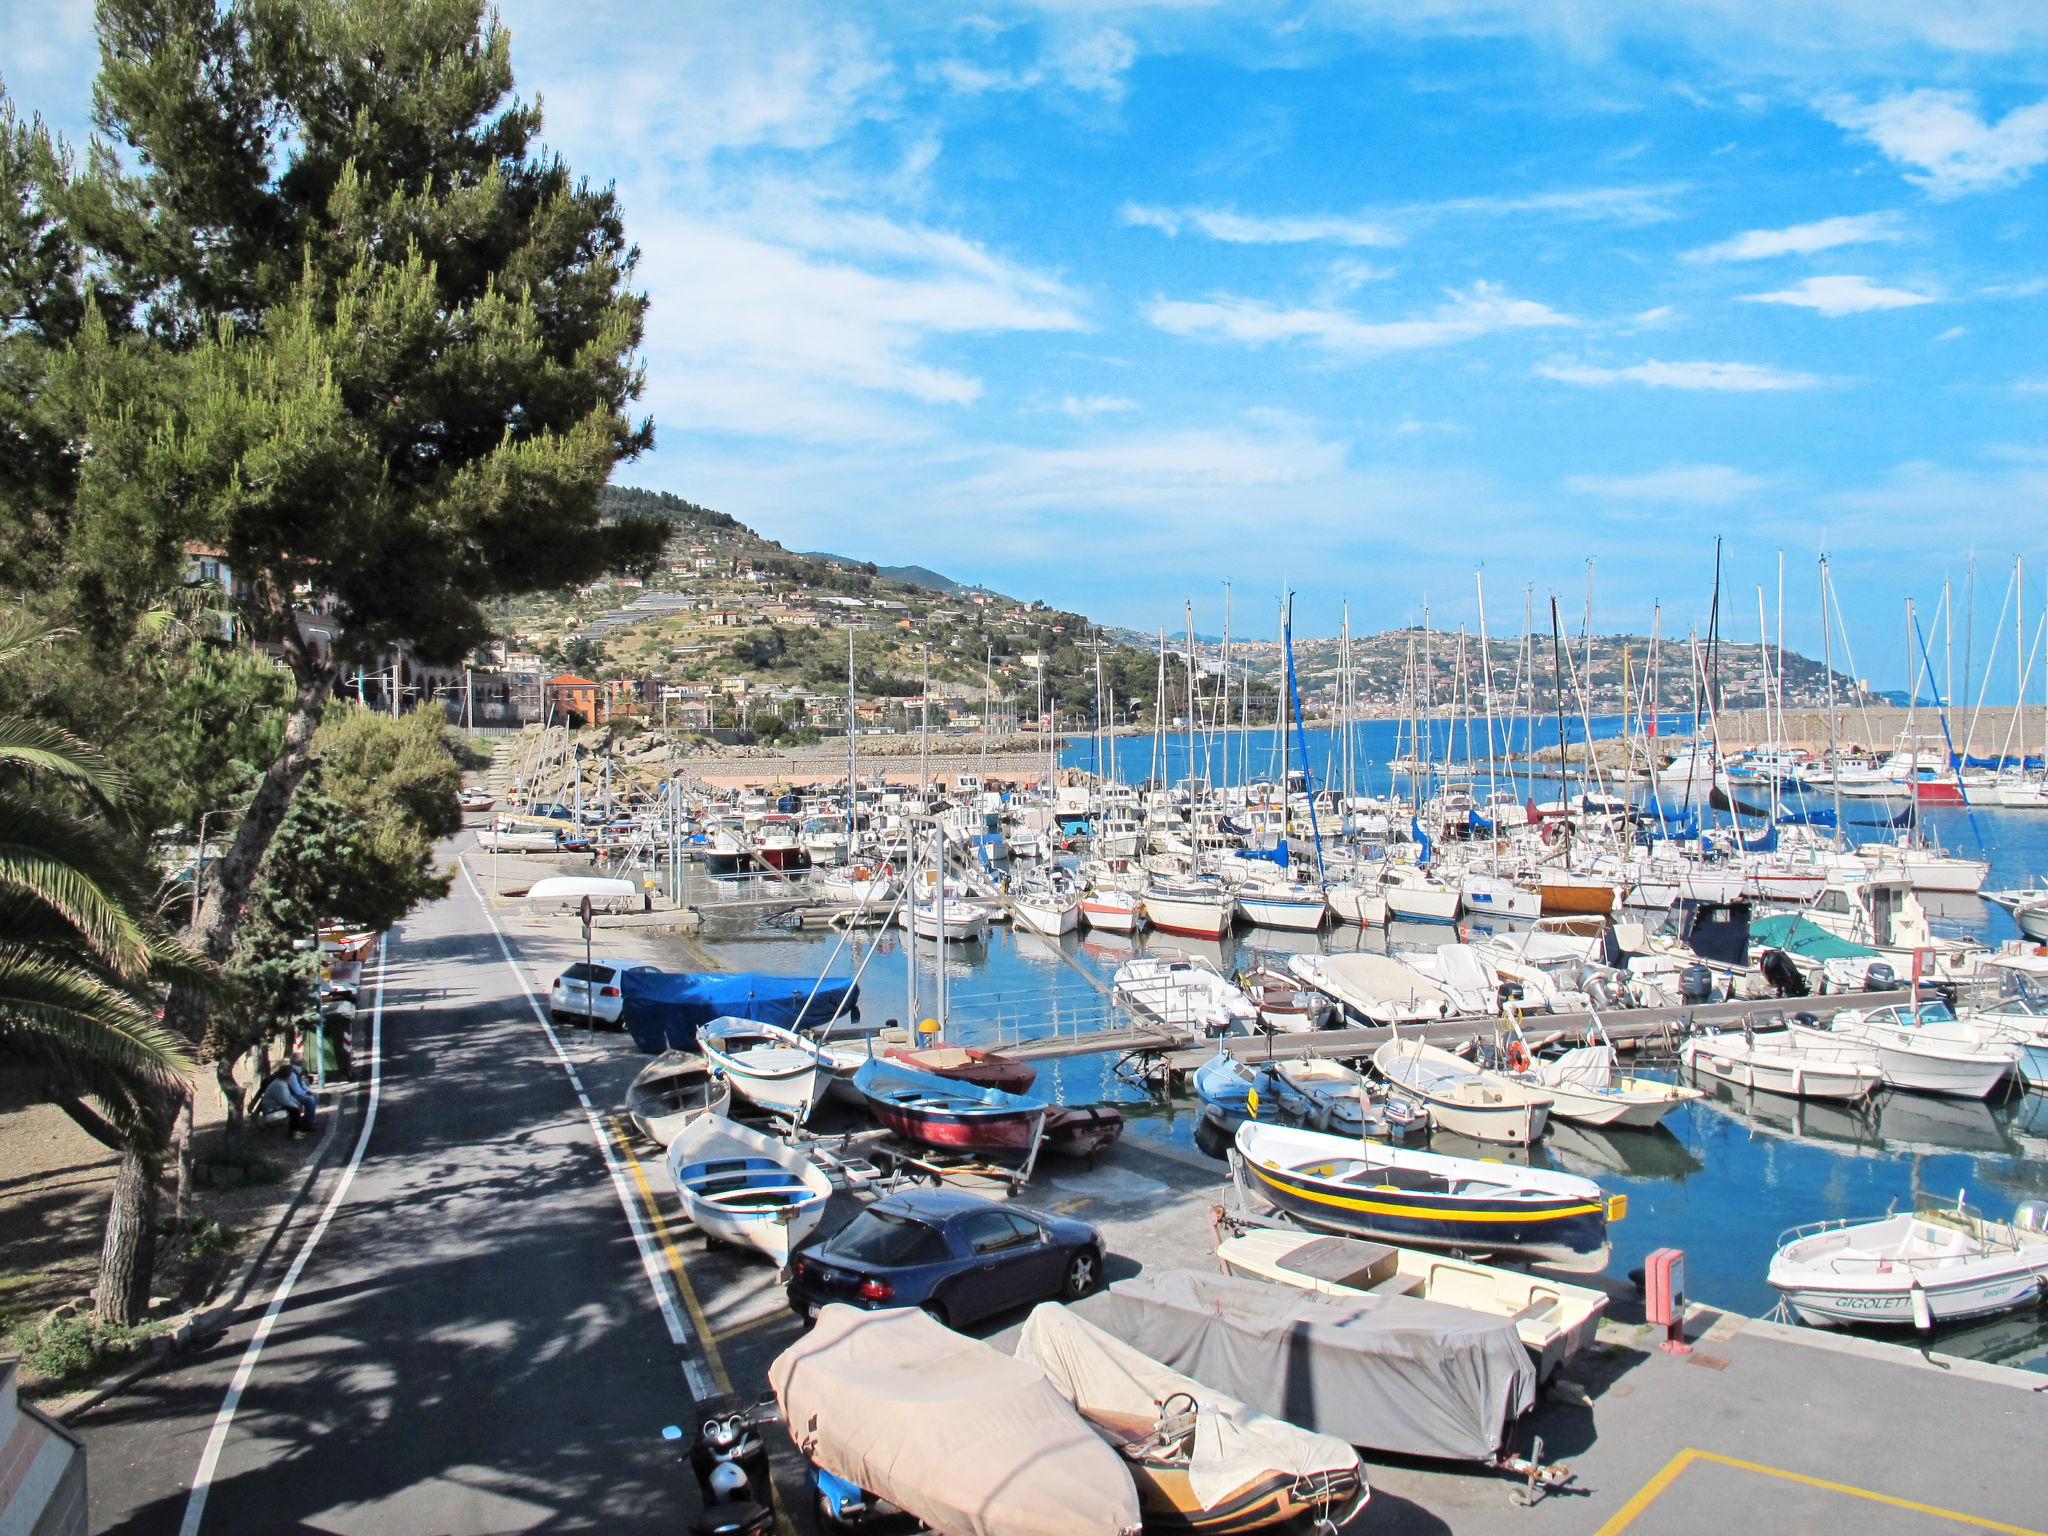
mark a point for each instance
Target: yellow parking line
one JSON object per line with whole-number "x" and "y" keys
{"x": 697, "y": 1318}
{"x": 1650, "y": 1491}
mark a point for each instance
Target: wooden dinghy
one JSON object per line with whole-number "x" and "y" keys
{"x": 747, "y": 1189}
{"x": 671, "y": 1091}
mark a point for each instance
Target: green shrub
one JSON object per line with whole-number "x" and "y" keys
{"x": 57, "y": 1347}
{"x": 211, "y": 1239}
{"x": 258, "y": 1166}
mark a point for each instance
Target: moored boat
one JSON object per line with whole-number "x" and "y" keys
{"x": 1113, "y": 911}
{"x": 966, "y": 1064}
{"x": 1184, "y": 991}
{"x": 1284, "y": 1004}
{"x": 1196, "y": 909}
{"x": 777, "y": 1068}
{"x": 1940, "y": 1264}
{"x": 1364, "y": 1189}
{"x": 1463, "y": 1098}
{"x": 1584, "y": 1088}
{"x": 1784, "y": 1065}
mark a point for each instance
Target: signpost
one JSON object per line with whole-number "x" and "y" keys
{"x": 589, "y": 984}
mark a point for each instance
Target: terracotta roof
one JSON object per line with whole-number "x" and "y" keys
{"x": 570, "y": 680}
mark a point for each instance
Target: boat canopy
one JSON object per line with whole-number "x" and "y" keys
{"x": 663, "y": 1010}
{"x": 1389, "y": 1373}
{"x": 1111, "y": 1382}
{"x": 1798, "y": 934}
{"x": 968, "y": 1440}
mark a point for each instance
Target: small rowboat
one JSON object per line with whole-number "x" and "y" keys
{"x": 1202, "y": 1460}
{"x": 1463, "y": 1098}
{"x": 938, "y": 1112}
{"x": 965, "y": 1064}
{"x": 1425, "y": 1199}
{"x": 1284, "y": 1004}
{"x": 743, "y": 1188}
{"x": 777, "y": 1068}
{"x": 671, "y": 1091}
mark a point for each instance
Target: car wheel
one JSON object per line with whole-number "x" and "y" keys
{"x": 936, "y": 1311}
{"x": 827, "y": 1523}
{"x": 1084, "y": 1273}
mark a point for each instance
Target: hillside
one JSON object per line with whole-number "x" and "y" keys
{"x": 761, "y": 633}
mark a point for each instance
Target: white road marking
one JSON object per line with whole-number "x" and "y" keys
{"x": 664, "y": 1293}
{"x": 209, "y": 1458}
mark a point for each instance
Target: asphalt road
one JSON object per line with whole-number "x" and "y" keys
{"x": 474, "y": 1346}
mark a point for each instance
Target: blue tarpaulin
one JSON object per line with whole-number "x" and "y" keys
{"x": 663, "y": 1009}
{"x": 1277, "y": 855}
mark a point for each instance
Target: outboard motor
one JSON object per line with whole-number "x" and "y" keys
{"x": 1782, "y": 974}
{"x": 1695, "y": 985}
{"x": 1879, "y": 977}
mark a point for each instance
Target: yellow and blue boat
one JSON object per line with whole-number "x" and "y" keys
{"x": 1425, "y": 1199}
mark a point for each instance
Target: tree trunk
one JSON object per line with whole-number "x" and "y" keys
{"x": 181, "y": 1158}
{"x": 128, "y": 1255}
{"x": 232, "y": 1092}
{"x": 220, "y": 912}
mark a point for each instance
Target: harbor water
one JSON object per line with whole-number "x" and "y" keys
{"x": 1721, "y": 1178}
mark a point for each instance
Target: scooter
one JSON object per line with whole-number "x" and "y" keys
{"x": 730, "y": 1460}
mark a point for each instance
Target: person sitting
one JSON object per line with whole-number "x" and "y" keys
{"x": 279, "y": 1098}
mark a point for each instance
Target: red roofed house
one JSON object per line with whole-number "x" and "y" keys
{"x": 571, "y": 699}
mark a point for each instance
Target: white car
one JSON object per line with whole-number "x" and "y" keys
{"x": 591, "y": 991}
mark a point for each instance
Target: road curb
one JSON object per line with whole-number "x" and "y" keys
{"x": 194, "y": 1330}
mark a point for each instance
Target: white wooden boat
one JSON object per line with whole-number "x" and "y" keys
{"x": 1584, "y": 1089}
{"x": 1323, "y": 1095}
{"x": 1183, "y": 990}
{"x": 1783, "y": 1065}
{"x": 1051, "y": 913}
{"x": 1358, "y": 902}
{"x": 741, "y": 1187}
{"x": 1285, "y": 1005}
{"x": 1490, "y": 896}
{"x": 671, "y": 1091}
{"x": 1941, "y": 1264}
{"x": 1194, "y": 909}
{"x": 1462, "y": 1098}
{"x": 1416, "y": 897}
{"x": 777, "y": 1068}
{"x": 1554, "y": 1320}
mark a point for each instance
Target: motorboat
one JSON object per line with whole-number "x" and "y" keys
{"x": 1485, "y": 895}
{"x": 1225, "y": 1083}
{"x": 1464, "y": 1099}
{"x": 967, "y": 1064}
{"x": 1585, "y": 1089}
{"x": 776, "y": 1068}
{"x": 1941, "y": 1264}
{"x": 1398, "y": 1195}
{"x": 1414, "y": 896}
{"x": 1374, "y": 989}
{"x": 1285, "y": 1005}
{"x": 853, "y": 885}
{"x": 1113, "y": 911}
{"x": 1237, "y": 1090}
{"x": 896, "y": 1411}
{"x": 1321, "y": 1094}
{"x": 963, "y": 922}
{"x": 1778, "y": 1063}
{"x": 1196, "y": 909}
{"x": 1201, "y": 1460}
{"x": 1926, "y": 1048}
{"x": 741, "y": 1187}
{"x": 671, "y": 1091}
{"x": 938, "y": 1112}
{"x": 1927, "y": 868}
{"x": 1554, "y": 1320}
{"x": 1183, "y": 991}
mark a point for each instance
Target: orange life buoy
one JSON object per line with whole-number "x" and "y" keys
{"x": 1518, "y": 1056}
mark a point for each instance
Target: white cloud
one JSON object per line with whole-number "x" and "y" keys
{"x": 1478, "y": 311}
{"x": 1693, "y": 485}
{"x": 1940, "y": 133}
{"x": 1954, "y": 333}
{"x": 1095, "y": 405}
{"x": 1662, "y": 315}
{"x": 1244, "y": 229}
{"x": 1802, "y": 239}
{"x": 1840, "y": 295}
{"x": 1659, "y": 375}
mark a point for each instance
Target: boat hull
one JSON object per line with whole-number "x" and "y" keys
{"x": 1565, "y": 1232}
{"x": 1191, "y": 919}
{"x": 1631, "y": 1108}
{"x": 1956, "y": 1077}
{"x": 1985, "y": 1295}
{"x": 1408, "y": 904}
{"x": 1809, "y": 1082}
{"x": 1112, "y": 917}
{"x": 1283, "y": 912}
{"x": 1356, "y": 904}
{"x": 1560, "y": 900}
{"x": 1052, "y": 921}
{"x": 1006, "y": 1130}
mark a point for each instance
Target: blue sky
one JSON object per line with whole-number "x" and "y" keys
{"x": 1110, "y": 304}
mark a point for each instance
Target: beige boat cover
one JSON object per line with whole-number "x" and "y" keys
{"x": 953, "y": 1430}
{"x": 1234, "y": 1445}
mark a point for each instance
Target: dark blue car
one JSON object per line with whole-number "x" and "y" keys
{"x": 958, "y": 1256}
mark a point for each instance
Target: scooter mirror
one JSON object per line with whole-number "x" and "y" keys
{"x": 671, "y": 1432}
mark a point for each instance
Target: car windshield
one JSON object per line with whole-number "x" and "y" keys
{"x": 884, "y": 1238}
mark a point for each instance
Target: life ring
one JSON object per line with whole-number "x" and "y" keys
{"x": 889, "y": 870}
{"x": 1550, "y": 834}
{"x": 1518, "y": 1056}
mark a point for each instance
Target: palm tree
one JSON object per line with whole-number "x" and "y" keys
{"x": 82, "y": 968}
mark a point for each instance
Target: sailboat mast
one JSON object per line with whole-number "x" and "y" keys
{"x": 1564, "y": 769}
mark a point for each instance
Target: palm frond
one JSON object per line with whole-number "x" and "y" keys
{"x": 43, "y": 999}
{"x": 74, "y": 869}
{"x": 45, "y": 748}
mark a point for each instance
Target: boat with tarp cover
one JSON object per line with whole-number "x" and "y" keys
{"x": 1395, "y": 1195}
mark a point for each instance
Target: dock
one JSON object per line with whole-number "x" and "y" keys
{"x": 1182, "y": 1050}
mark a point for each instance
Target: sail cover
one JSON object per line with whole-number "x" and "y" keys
{"x": 664, "y": 1009}
{"x": 1386, "y": 1372}
{"x": 1110, "y": 1382}
{"x": 953, "y": 1430}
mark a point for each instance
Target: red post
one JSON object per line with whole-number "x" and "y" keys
{"x": 1664, "y": 1297}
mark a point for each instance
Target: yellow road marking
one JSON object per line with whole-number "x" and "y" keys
{"x": 689, "y": 1293}
{"x": 779, "y": 1315}
{"x": 1656, "y": 1486}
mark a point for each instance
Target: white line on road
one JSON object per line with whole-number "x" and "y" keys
{"x": 664, "y": 1293}
{"x": 209, "y": 1458}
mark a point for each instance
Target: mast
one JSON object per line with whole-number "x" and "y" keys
{"x": 1564, "y": 793}
{"x": 1223, "y": 691}
{"x": 852, "y": 791}
{"x": 1486, "y": 686}
{"x": 1828, "y": 661}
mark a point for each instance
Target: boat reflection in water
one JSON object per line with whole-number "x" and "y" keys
{"x": 1919, "y": 1122}
{"x": 1652, "y": 1152}
{"x": 1852, "y": 1126}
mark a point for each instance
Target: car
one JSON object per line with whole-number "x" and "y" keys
{"x": 956, "y": 1255}
{"x": 589, "y": 990}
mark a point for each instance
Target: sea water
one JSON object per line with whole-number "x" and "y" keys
{"x": 1722, "y": 1178}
